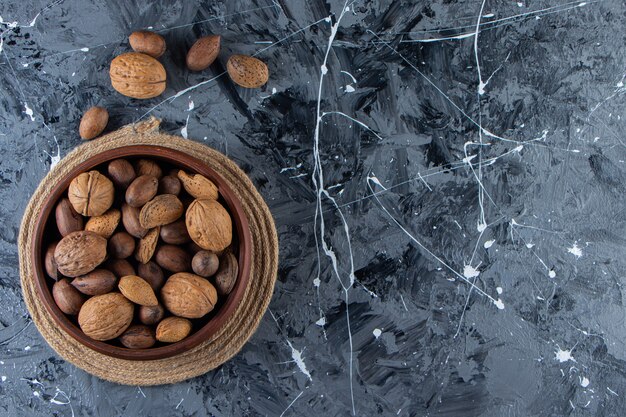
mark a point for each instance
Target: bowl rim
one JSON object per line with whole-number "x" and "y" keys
{"x": 185, "y": 161}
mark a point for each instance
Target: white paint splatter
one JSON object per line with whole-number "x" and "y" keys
{"x": 499, "y": 290}
{"x": 470, "y": 272}
{"x": 4, "y": 378}
{"x": 191, "y": 105}
{"x": 29, "y": 112}
{"x": 575, "y": 250}
{"x": 27, "y": 348}
{"x": 321, "y": 321}
{"x": 564, "y": 355}
{"x": 530, "y": 245}
{"x": 317, "y": 282}
{"x": 349, "y": 89}
{"x": 377, "y": 333}
{"x": 488, "y": 15}
{"x": 296, "y": 355}
{"x": 324, "y": 69}
{"x": 84, "y": 49}
{"x": 498, "y": 303}
{"x": 584, "y": 382}
{"x": 489, "y": 243}
{"x": 551, "y": 273}
{"x": 183, "y": 131}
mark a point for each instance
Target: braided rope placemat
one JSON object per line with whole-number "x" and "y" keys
{"x": 224, "y": 344}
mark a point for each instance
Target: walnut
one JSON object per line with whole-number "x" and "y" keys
{"x": 91, "y": 193}
{"x": 105, "y": 317}
{"x": 209, "y": 224}
{"x": 188, "y": 295}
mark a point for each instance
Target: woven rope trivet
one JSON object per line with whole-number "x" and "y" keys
{"x": 235, "y": 332}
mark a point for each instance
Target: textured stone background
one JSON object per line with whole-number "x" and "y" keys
{"x": 467, "y": 175}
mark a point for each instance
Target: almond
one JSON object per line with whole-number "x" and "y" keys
{"x": 162, "y": 209}
{"x": 105, "y": 224}
{"x": 105, "y": 317}
{"x": 173, "y": 329}
{"x": 247, "y": 71}
{"x": 137, "y": 75}
{"x": 147, "y": 42}
{"x": 147, "y": 245}
{"x": 198, "y": 186}
{"x": 93, "y": 122}
{"x": 137, "y": 290}
{"x": 203, "y": 52}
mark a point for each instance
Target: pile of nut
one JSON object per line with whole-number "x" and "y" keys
{"x": 142, "y": 252}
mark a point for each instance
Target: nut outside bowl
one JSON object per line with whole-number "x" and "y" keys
{"x": 218, "y": 318}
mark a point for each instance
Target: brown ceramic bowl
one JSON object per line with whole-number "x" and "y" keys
{"x": 45, "y": 232}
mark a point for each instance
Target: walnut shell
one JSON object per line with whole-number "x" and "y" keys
{"x": 173, "y": 329}
{"x": 198, "y": 186}
{"x": 91, "y": 193}
{"x": 137, "y": 290}
{"x": 209, "y": 224}
{"x": 137, "y": 75}
{"x": 79, "y": 253}
{"x": 188, "y": 295}
{"x": 104, "y": 224}
{"x": 162, "y": 209}
{"x": 105, "y": 317}
{"x": 147, "y": 245}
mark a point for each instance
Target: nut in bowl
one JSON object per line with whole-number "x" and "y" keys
{"x": 185, "y": 256}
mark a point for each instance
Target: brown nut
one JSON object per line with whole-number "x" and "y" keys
{"x": 137, "y": 290}
{"x": 50, "y": 263}
{"x": 121, "y": 173}
{"x": 151, "y": 315}
{"x": 121, "y": 245}
{"x": 162, "y": 209}
{"x": 97, "y": 282}
{"x": 130, "y": 219}
{"x": 169, "y": 184}
{"x": 141, "y": 190}
{"x": 147, "y": 42}
{"x": 138, "y": 336}
{"x": 148, "y": 167}
{"x": 205, "y": 263}
{"x": 203, "y": 52}
{"x": 68, "y": 220}
{"x": 152, "y": 274}
{"x": 188, "y": 295}
{"x": 93, "y": 122}
{"x": 119, "y": 267}
{"x": 105, "y": 317}
{"x": 226, "y": 275}
{"x": 104, "y": 224}
{"x": 91, "y": 193}
{"x": 198, "y": 186}
{"x": 175, "y": 233}
{"x": 79, "y": 253}
{"x": 173, "y": 258}
{"x": 247, "y": 71}
{"x": 173, "y": 329}
{"x": 67, "y": 297}
{"x": 209, "y": 224}
{"x": 137, "y": 75}
{"x": 147, "y": 246}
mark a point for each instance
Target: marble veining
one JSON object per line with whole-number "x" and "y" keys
{"x": 447, "y": 180}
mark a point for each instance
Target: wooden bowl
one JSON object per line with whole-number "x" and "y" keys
{"x": 216, "y": 319}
